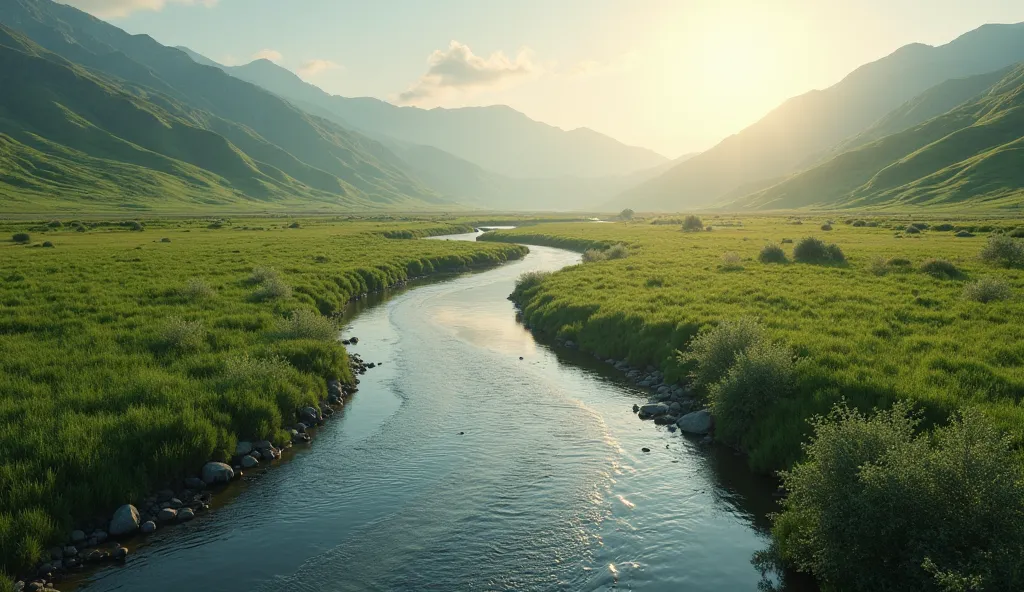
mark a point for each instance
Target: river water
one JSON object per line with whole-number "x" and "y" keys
{"x": 458, "y": 466}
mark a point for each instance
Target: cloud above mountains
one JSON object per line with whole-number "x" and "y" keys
{"x": 458, "y": 70}
{"x": 121, "y": 8}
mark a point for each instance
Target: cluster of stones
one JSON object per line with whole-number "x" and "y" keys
{"x": 183, "y": 500}
{"x": 671, "y": 404}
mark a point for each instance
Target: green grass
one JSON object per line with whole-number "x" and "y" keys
{"x": 866, "y": 336}
{"x": 126, "y": 361}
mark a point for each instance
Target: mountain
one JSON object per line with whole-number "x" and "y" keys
{"x": 496, "y": 138}
{"x": 240, "y": 136}
{"x": 971, "y": 156}
{"x": 813, "y": 123}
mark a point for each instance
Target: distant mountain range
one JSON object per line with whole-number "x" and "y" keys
{"x": 970, "y": 156}
{"x": 806, "y": 129}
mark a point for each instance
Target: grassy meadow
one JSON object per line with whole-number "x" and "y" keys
{"x": 886, "y": 324}
{"x": 131, "y": 353}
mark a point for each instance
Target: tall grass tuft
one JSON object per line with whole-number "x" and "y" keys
{"x": 1003, "y": 250}
{"x": 182, "y": 336}
{"x": 593, "y": 256}
{"x": 307, "y": 324}
{"x": 940, "y": 268}
{"x": 197, "y": 290}
{"x": 987, "y": 289}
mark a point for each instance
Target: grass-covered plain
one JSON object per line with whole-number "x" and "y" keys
{"x": 128, "y": 357}
{"x": 888, "y": 323}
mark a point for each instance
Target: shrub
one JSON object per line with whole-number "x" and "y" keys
{"x": 987, "y": 289}
{"x": 196, "y": 289}
{"x": 912, "y": 230}
{"x": 294, "y": 225}
{"x": 940, "y": 268}
{"x": 731, "y": 262}
{"x": 692, "y": 223}
{"x": 813, "y": 250}
{"x": 772, "y": 254}
{"x": 272, "y": 289}
{"x": 626, "y": 214}
{"x": 22, "y": 238}
{"x": 760, "y": 375}
{"x": 261, "y": 274}
{"x": 531, "y": 279}
{"x": 876, "y": 506}
{"x": 134, "y": 226}
{"x": 55, "y": 224}
{"x": 964, "y": 234}
{"x": 872, "y": 224}
{"x": 617, "y": 252}
{"x": 593, "y": 256}
{"x": 1003, "y": 250}
{"x": 713, "y": 351}
{"x": 47, "y": 244}
{"x": 307, "y": 324}
{"x": 787, "y": 241}
{"x": 165, "y": 240}
{"x": 826, "y": 227}
{"x": 1017, "y": 233}
{"x": 182, "y": 336}
{"x": 944, "y": 227}
{"x": 859, "y": 223}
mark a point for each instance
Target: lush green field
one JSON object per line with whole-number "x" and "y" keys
{"x": 128, "y": 357}
{"x": 863, "y": 331}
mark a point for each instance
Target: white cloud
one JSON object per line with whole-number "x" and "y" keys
{"x": 616, "y": 65}
{"x": 268, "y": 54}
{"x": 312, "y": 68}
{"x": 458, "y": 70}
{"x": 121, "y": 8}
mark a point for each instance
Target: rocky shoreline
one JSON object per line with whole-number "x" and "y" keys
{"x": 103, "y": 540}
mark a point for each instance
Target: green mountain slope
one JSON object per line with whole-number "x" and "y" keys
{"x": 813, "y": 123}
{"x": 972, "y": 156}
{"x": 299, "y": 155}
{"x": 496, "y": 138}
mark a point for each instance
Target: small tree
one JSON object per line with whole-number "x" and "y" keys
{"x": 772, "y": 254}
{"x": 626, "y": 214}
{"x": 692, "y": 223}
{"x": 21, "y": 238}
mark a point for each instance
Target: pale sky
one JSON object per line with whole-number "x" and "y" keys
{"x": 672, "y": 75}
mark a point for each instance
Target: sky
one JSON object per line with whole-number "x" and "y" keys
{"x": 676, "y": 76}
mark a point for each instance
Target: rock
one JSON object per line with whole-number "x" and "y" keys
{"x": 249, "y": 462}
{"x": 666, "y": 419}
{"x": 326, "y": 410}
{"x": 645, "y": 449}
{"x": 186, "y": 514}
{"x": 300, "y": 428}
{"x": 120, "y": 553}
{"x": 570, "y": 344}
{"x": 217, "y": 472}
{"x": 354, "y": 340}
{"x": 653, "y": 410}
{"x": 243, "y": 448}
{"x": 56, "y": 552}
{"x": 125, "y": 521}
{"x": 610, "y": 362}
{"x": 262, "y": 445}
{"x": 309, "y": 416}
{"x": 698, "y": 422}
{"x": 167, "y": 514}
{"x": 164, "y": 495}
{"x": 92, "y": 556}
{"x": 636, "y": 408}
{"x": 255, "y": 454}
{"x": 644, "y": 384}
{"x": 175, "y": 503}
{"x": 77, "y": 536}
{"x": 99, "y": 535}
{"x": 148, "y": 527}
{"x": 675, "y": 408}
{"x": 194, "y": 483}
{"x": 70, "y": 551}
{"x": 672, "y": 428}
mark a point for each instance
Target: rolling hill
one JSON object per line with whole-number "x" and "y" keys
{"x": 89, "y": 95}
{"x": 807, "y": 126}
{"x": 969, "y": 157}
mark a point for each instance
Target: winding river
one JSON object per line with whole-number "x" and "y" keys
{"x": 460, "y": 466}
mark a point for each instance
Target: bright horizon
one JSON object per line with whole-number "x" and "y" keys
{"x": 673, "y": 76}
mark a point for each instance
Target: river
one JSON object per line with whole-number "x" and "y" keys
{"x": 460, "y": 466}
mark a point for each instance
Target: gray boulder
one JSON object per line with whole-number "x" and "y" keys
{"x": 698, "y": 422}
{"x": 309, "y": 416}
{"x": 77, "y": 536}
{"x": 148, "y": 527}
{"x": 167, "y": 515}
{"x": 125, "y": 521}
{"x": 186, "y": 514}
{"x": 195, "y": 483}
{"x": 243, "y": 448}
{"x": 653, "y": 410}
{"x": 249, "y": 462}
{"x": 217, "y": 472}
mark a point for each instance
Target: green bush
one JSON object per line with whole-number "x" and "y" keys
{"x": 772, "y": 254}
{"x": 876, "y": 506}
{"x": 826, "y": 227}
{"x": 692, "y": 223}
{"x": 987, "y": 289}
{"x": 1017, "y": 233}
{"x": 964, "y": 234}
{"x": 731, "y": 262}
{"x": 940, "y": 268}
{"x": 22, "y": 238}
{"x": 294, "y": 225}
{"x": 912, "y": 230}
{"x": 760, "y": 375}
{"x": 48, "y": 244}
{"x": 273, "y": 288}
{"x": 787, "y": 241}
{"x": 713, "y": 351}
{"x": 859, "y": 223}
{"x": 134, "y": 225}
{"x": 1003, "y": 250}
{"x": 530, "y": 279}
{"x": 618, "y": 251}
{"x": 945, "y": 227}
{"x": 814, "y": 250}
{"x": 626, "y": 214}
{"x": 261, "y": 274}
{"x": 307, "y": 324}
{"x": 182, "y": 336}
{"x": 593, "y": 256}
{"x": 196, "y": 289}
